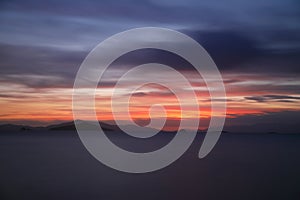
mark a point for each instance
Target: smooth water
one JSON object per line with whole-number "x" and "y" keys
{"x": 55, "y": 165}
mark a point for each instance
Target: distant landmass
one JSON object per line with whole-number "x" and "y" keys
{"x": 88, "y": 125}
{"x": 67, "y": 126}
{"x": 13, "y": 127}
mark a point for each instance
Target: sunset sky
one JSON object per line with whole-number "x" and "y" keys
{"x": 255, "y": 44}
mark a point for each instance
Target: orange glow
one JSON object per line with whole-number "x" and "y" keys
{"x": 21, "y": 104}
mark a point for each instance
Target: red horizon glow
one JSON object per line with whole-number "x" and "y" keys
{"x": 25, "y": 105}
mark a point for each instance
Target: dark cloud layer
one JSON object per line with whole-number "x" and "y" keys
{"x": 228, "y": 49}
{"x": 36, "y": 66}
{"x": 54, "y": 36}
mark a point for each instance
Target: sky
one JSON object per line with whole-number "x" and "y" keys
{"x": 255, "y": 44}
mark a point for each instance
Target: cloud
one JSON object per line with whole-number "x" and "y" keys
{"x": 153, "y": 94}
{"x": 278, "y": 98}
{"x": 274, "y": 24}
{"x": 239, "y": 36}
{"x": 39, "y": 66}
{"x": 227, "y": 48}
